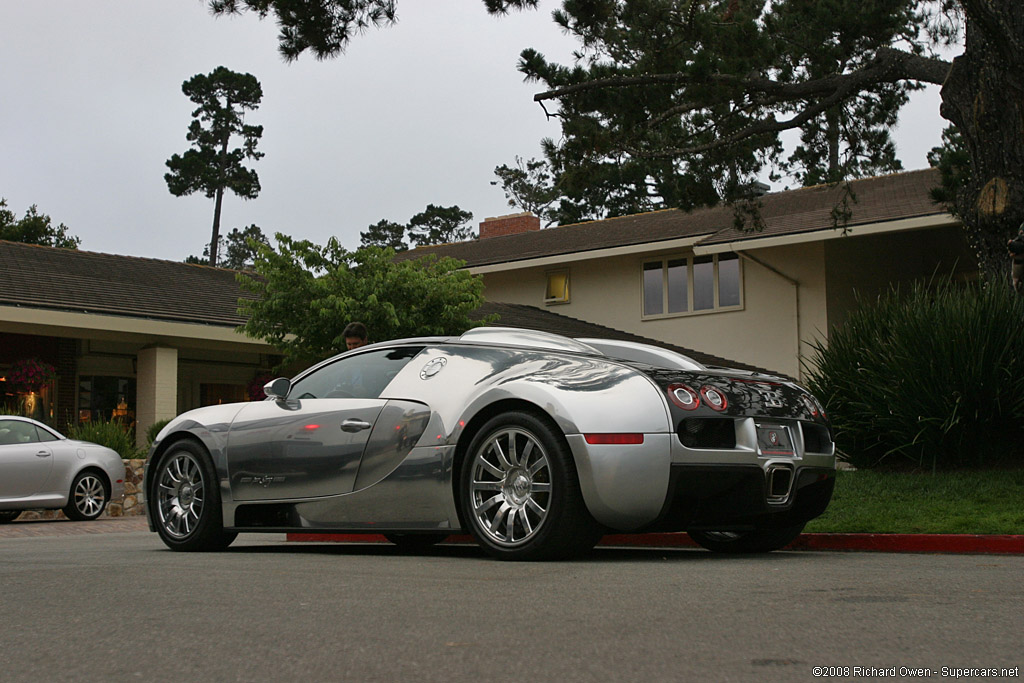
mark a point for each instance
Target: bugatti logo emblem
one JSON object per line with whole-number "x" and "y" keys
{"x": 771, "y": 398}
{"x": 773, "y": 438}
{"x": 433, "y": 367}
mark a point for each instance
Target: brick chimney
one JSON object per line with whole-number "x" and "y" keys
{"x": 512, "y": 224}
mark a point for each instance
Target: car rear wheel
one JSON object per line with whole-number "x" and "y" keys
{"x": 88, "y": 497}
{"x": 185, "y": 500}
{"x": 8, "y": 515}
{"x": 757, "y": 541}
{"x": 520, "y": 493}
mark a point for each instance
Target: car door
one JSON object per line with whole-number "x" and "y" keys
{"x": 25, "y": 462}
{"x": 310, "y": 444}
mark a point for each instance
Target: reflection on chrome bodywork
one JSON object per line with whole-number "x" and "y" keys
{"x": 334, "y": 459}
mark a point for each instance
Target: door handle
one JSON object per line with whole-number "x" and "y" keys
{"x": 354, "y": 425}
{"x": 43, "y": 454}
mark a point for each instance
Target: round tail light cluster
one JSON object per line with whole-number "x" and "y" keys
{"x": 812, "y": 405}
{"x": 683, "y": 396}
{"x": 688, "y": 399}
{"x": 714, "y": 398}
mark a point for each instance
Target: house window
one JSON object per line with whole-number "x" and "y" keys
{"x": 558, "y": 287}
{"x": 692, "y": 284}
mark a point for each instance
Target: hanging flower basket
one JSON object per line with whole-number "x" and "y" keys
{"x": 31, "y": 374}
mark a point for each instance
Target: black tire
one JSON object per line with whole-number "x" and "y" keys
{"x": 184, "y": 502}
{"x": 415, "y": 543}
{"x": 88, "y": 497}
{"x": 8, "y": 515}
{"x": 521, "y": 465}
{"x": 757, "y": 541}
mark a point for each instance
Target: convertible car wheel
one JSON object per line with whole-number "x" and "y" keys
{"x": 759, "y": 541}
{"x": 520, "y": 492}
{"x": 8, "y": 515}
{"x": 185, "y": 501}
{"x": 88, "y": 497}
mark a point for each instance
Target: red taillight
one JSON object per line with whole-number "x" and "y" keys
{"x": 614, "y": 439}
{"x": 714, "y": 398}
{"x": 811, "y": 406}
{"x": 311, "y": 428}
{"x": 683, "y": 396}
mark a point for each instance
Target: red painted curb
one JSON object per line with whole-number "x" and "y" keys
{"x": 886, "y": 543}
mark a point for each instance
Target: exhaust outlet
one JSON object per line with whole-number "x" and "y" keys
{"x": 780, "y": 483}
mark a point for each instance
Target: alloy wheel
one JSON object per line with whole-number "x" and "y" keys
{"x": 89, "y": 496}
{"x": 510, "y": 486}
{"x": 181, "y": 494}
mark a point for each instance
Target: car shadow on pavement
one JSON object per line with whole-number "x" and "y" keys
{"x": 462, "y": 550}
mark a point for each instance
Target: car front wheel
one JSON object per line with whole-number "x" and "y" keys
{"x": 757, "y": 541}
{"x": 185, "y": 500}
{"x": 520, "y": 493}
{"x": 88, "y": 497}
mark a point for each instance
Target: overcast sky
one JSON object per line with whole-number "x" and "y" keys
{"x": 91, "y": 108}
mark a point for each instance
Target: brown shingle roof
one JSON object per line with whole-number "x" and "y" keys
{"x": 84, "y": 281}
{"x": 90, "y": 282}
{"x": 885, "y": 198}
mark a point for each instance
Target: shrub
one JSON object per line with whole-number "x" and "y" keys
{"x": 109, "y": 434}
{"x": 930, "y": 378}
{"x": 153, "y": 430}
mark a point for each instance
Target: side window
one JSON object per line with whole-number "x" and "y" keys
{"x": 16, "y": 431}
{"x": 362, "y": 376}
{"x": 45, "y": 435}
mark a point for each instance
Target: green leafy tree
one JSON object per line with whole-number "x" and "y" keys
{"x": 34, "y": 228}
{"x": 241, "y": 250}
{"x": 211, "y": 166}
{"x": 307, "y": 293}
{"x": 386, "y": 234}
{"x": 708, "y": 86}
{"x": 440, "y": 225}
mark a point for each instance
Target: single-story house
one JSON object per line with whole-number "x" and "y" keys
{"x": 132, "y": 339}
{"x": 139, "y": 340}
{"x": 695, "y": 280}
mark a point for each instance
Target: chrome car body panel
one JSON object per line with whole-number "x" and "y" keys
{"x": 389, "y": 462}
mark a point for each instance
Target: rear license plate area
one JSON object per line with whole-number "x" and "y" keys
{"x": 775, "y": 440}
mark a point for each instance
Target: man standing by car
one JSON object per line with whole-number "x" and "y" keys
{"x": 355, "y": 335}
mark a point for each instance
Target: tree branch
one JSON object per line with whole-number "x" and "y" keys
{"x": 889, "y": 65}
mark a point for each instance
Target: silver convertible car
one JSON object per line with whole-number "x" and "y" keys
{"x": 535, "y": 444}
{"x": 41, "y": 469}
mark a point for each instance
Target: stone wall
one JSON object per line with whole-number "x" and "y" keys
{"x": 128, "y": 506}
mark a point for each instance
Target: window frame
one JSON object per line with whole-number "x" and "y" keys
{"x": 689, "y": 259}
{"x": 554, "y": 301}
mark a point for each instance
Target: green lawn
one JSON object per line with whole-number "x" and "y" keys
{"x": 990, "y": 502}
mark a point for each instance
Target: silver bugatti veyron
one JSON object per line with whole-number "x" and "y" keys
{"x": 535, "y": 444}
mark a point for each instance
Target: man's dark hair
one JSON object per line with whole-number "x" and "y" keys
{"x": 357, "y": 330}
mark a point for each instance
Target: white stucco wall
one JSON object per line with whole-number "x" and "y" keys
{"x": 763, "y": 332}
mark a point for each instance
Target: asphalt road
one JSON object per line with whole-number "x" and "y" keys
{"x": 118, "y": 606}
